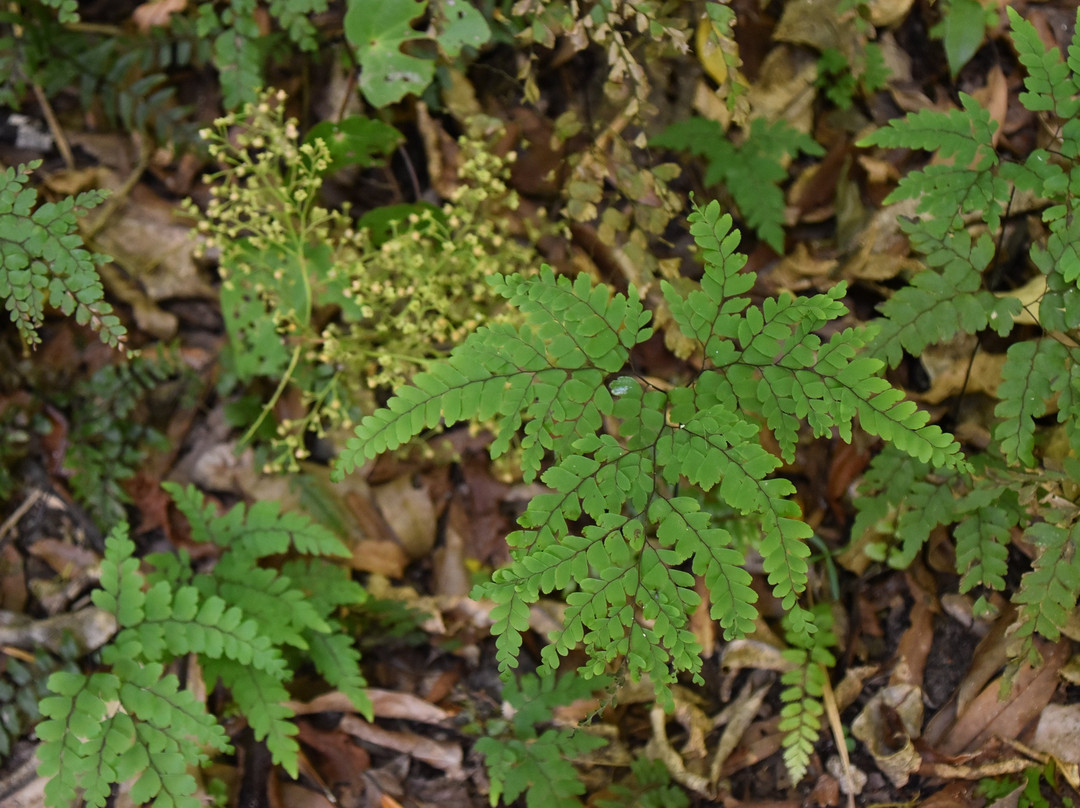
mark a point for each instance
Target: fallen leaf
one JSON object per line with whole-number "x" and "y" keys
{"x": 884, "y": 13}
{"x": 441, "y": 754}
{"x": 156, "y": 13}
{"x": 1058, "y": 732}
{"x": 887, "y": 726}
{"x": 382, "y": 556}
{"x": 410, "y": 513}
{"x": 987, "y": 715}
{"x": 90, "y": 628}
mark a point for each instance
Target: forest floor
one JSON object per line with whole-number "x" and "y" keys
{"x": 422, "y": 525}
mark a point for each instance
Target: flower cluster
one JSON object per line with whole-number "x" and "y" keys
{"x": 314, "y": 303}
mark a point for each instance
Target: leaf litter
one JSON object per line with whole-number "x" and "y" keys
{"x": 427, "y": 533}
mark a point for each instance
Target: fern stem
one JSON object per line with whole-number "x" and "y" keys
{"x": 285, "y": 377}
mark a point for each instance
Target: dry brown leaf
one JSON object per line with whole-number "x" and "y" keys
{"x": 915, "y": 642}
{"x": 960, "y": 794}
{"x": 90, "y": 628}
{"x": 884, "y": 13}
{"x": 988, "y": 659}
{"x": 819, "y": 24}
{"x": 410, "y": 513}
{"x": 955, "y": 368}
{"x": 796, "y": 271}
{"x": 384, "y": 704}
{"x": 785, "y": 88}
{"x": 441, "y": 754}
{"x": 994, "y": 97}
{"x": 701, "y": 623}
{"x": 887, "y": 725}
{"x": 987, "y": 716}
{"x": 379, "y": 555}
{"x": 66, "y": 559}
{"x": 339, "y": 762}
{"x": 753, "y": 654}
{"x": 740, "y": 715}
{"x": 761, "y": 740}
{"x": 449, "y": 572}
{"x": 156, "y": 13}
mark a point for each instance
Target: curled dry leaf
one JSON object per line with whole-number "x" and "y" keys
{"x": 887, "y": 725}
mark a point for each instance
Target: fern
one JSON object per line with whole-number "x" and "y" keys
{"x": 240, "y": 619}
{"x": 751, "y": 172}
{"x": 804, "y": 686}
{"x": 620, "y": 447}
{"x": 1049, "y": 592}
{"x": 23, "y": 685}
{"x": 122, "y": 78}
{"x": 900, "y": 502}
{"x": 110, "y": 432}
{"x": 43, "y": 260}
{"x": 649, "y": 787}
{"x": 538, "y": 764}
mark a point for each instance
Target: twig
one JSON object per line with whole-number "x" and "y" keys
{"x": 833, "y": 713}
{"x": 54, "y": 127}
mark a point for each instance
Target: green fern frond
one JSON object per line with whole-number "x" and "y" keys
{"x": 156, "y": 732}
{"x": 987, "y": 515}
{"x": 549, "y": 370}
{"x": 261, "y": 697}
{"x": 804, "y": 686}
{"x": 43, "y": 260}
{"x": 327, "y": 586}
{"x": 534, "y": 763}
{"x": 1034, "y": 372}
{"x": 896, "y": 499}
{"x": 619, "y": 447}
{"x": 648, "y": 787}
{"x": 255, "y": 532}
{"x": 237, "y": 618}
{"x": 335, "y": 656}
{"x": 1051, "y": 86}
{"x": 751, "y": 172}
{"x": 67, "y": 11}
{"x": 1049, "y": 592}
{"x": 282, "y": 610}
{"x": 962, "y": 134}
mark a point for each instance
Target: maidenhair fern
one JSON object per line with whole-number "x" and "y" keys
{"x": 247, "y": 625}
{"x": 613, "y": 532}
{"x": 43, "y": 261}
{"x": 1023, "y": 480}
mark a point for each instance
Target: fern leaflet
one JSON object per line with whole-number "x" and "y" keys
{"x": 43, "y": 260}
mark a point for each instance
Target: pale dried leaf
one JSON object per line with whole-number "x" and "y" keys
{"x": 411, "y": 514}
{"x": 156, "y": 13}
{"x": 441, "y": 754}
{"x": 887, "y": 725}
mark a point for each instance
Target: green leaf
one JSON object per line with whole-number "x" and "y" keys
{"x": 356, "y": 140}
{"x": 964, "y": 28}
{"x": 43, "y": 260}
{"x": 378, "y": 32}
